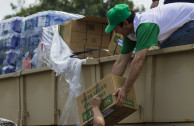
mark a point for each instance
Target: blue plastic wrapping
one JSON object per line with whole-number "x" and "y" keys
{"x": 20, "y": 37}
{"x": 10, "y": 33}
{"x": 31, "y": 34}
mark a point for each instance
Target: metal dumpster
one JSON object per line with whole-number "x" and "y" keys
{"x": 164, "y": 91}
{"x": 10, "y": 105}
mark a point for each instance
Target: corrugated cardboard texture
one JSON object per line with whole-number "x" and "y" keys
{"x": 103, "y": 30}
{"x": 95, "y": 54}
{"x": 93, "y": 39}
{"x": 75, "y": 25}
{"x": 94, "y": 19}
{"x": 77, "y": 48}
{"x": 94, "y": 28}
{"x": 105, "y": 41}
{"x": 113, "y": 46}
{"x": 88, "y": 31}
{"x": 105, "y": 88}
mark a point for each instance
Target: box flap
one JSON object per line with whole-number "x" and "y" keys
{"x": 95, "y": 19}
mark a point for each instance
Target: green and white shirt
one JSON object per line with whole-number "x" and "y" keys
{"x": 156, "y": 25}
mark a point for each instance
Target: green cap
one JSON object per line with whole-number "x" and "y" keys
{"x": 116, "y": 15}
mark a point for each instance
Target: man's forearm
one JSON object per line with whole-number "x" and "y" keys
{"x": 98, "y": 117}
{"x": 121, "y": 64}
{"x": 134, "y": 71}
{"x": 118, "y": 69}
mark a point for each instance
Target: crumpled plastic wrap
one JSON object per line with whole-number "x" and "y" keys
{"x": 55, "y": 53}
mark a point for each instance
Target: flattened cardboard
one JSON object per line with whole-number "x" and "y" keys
{"x": 105, "y": 88}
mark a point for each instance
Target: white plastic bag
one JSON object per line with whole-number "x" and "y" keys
{"x": 54, "y": 52}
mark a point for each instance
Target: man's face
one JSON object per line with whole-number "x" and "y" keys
{"x": 125, "y": 30}
{"x": 121, "y": 31}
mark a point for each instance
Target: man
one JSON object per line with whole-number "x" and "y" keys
{"x": 98, "y": 117}
{"x": 156, "y": 2}
{"x": 142, "y": 31}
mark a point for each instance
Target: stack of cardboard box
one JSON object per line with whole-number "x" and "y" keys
{"x": 85, "y": 34}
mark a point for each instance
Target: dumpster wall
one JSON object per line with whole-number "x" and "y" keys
{"x": 9, "y": 97}
{"x": 164, "y": 91}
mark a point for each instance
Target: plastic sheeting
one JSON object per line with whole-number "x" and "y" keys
{"x": 55, "y": 53}
{"x": 31, "y": 33}
{"x": 10, "y": 33}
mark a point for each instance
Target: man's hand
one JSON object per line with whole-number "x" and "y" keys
{"x": 96, "y": 101}
{"x": 98, "y": 117}
{"x": 121, "y": 95}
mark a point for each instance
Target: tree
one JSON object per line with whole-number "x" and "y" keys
{"x": 83, "y": 7}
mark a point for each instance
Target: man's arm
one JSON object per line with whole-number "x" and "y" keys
{"x": 121, "y": 64}
{"x": 134, "y": 71}
{"x": 98, "y": 117}
{"x": 154, "y": 4}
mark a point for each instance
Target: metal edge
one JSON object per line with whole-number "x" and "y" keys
{"x": 108, "y": 58}
{"x": 171, "y": 50}
{"x": 36, "y": 70}
{"x": 91, "y": 61}
{"x": 10, "y": 75}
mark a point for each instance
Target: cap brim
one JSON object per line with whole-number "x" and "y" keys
{"x": 109, "y": 28}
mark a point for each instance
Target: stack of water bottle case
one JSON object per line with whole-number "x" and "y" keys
{"x": 20, "y": 37}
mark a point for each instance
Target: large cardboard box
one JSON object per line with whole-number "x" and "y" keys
{"x": 74, "y": 25}
{"x": 103, "y": 30}
{"x": 94, "y": 27}
{"x": 93, "y": 39}
{"x": 106, "y": 41}
{"x": 77, "y": 48}
{"x": 74, "y": 37}
{"x": 105, "y": 89}
{"x": 115, "y": 44}
{"x": 106, "y": 37}
{"x": 97, "y": 53}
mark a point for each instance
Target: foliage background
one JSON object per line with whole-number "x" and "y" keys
{"x": 83, "y": 7}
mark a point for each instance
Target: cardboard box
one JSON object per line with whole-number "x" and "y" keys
{"x": 74, "y": 25}
{"x": 103, "y": 30}
{"x": 73, "y": 31}
{"x": 115, "y": 44}
{"x": 105, "y": 88}
{"x": 105, "y": 41}
{"x": 94, "y": 28}
{"x": 95, "y": 54}
{"x": 86, "y": 25}
{"x": 77, "y": 48}
{"x": 74, "y": 37}
{"x": 93, "y": 40}
{"x": 88, "y": 31}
